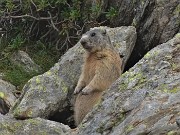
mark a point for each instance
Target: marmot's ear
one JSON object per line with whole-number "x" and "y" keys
{"x": 104, "y": 32}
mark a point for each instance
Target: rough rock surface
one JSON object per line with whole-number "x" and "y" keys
{"x": 7, "y": 98}
{"x": 46, "y": 93}
{"x": 156, "y": 21}
{"x": 144, "y": 100}
{"x": 36, "y": 126}
{"x": 22, "y": 59}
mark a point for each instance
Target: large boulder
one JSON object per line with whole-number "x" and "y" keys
{"x": 144, "y": 100}
{"x": 7, "y": 98}
{"x": 36, "y": 126}
{"x": 43, "y": 95}
{"x": 156, "y": 21}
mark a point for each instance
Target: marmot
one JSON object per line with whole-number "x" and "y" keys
{"x": 102, "y": 66}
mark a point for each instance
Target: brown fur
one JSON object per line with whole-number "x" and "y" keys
{"x": 101, "y": 68}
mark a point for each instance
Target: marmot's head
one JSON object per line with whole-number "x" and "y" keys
{"x": 95, "y": 40}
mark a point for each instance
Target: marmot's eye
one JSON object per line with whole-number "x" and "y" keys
{"x": 93, "y": 34}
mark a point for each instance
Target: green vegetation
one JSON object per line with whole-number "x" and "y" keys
{"x": 16, "y": 74}
{"x": 45, "y": 29}
{"x": 112, "y": 12}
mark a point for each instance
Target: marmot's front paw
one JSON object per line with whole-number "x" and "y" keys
{"x": 86, "y": 91}
{"x": 77, "y": 90}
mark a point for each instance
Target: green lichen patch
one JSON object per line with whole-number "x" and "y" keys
{"x": 33, "y": 121}
{"x": 42, "y": 88}
{"x": 38, "y": 80}
{"x": 63, "y": 86}
{"x": 129, "y": 128}
{"x": 16, "y": 112}
{"x": 151, "y": 54}
{"x": 136, "y": 76}
{"x": 172, "y": 133}
{"x": 165, "y": 88}
{"x": 178, "y": 34}
{"x": 147, "y": 56}
{"x": 49, "y": 73}
{"x": 9, "y": 127}
{"x": 123, "y": 86}
{"x": 175, "y": 90}
{"x": 177, "y": 10}
{"x": 2, "y": 95}
{"x": 132, "y": 78}
{"x": 22, "y": 114}
{"x": 17, "y": 125}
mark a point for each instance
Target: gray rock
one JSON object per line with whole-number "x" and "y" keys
{"x": 7, "y": 98}
{"x": 156, "y": 21}
{"x": 144, "y": 100}
{"x": 23, "y": 60}
{"x": 123, "y": 38}
{"x": 52, "y": 91}
{"x": 36, "y": 126}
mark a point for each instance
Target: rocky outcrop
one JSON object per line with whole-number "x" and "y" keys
{"x": 22, "y": 59}
{"x": 7, "y": 98}
{"x": 36, "y": 126}
{"x": 156, "y": 21}
{"x": 144, "y": 100}
{"x": 43, "y": 95}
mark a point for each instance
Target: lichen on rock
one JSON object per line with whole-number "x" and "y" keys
{"x": 147, "y": 96}
{"x": 45, "y": 94}
{"x": 35, "y": 126}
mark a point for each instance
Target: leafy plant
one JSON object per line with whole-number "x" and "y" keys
{"x": 45, "y": 29}
{"x": 16, "y": 43}
{"x": 74, "y": 14}
{"x": 9, "y": 5}
{"x": 18, "y": 76}
{"x": 112, "y": 12}
{"x": 95, "y": 11}
{"x": 42, "y": 4}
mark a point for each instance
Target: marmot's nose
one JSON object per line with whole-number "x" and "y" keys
{"x": 83, "y": 43}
